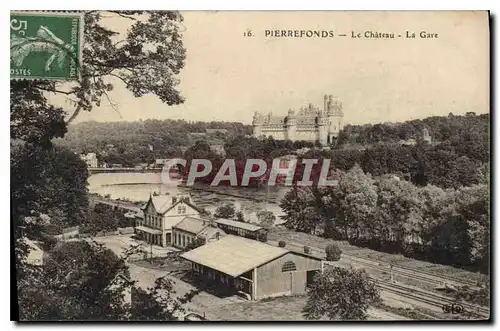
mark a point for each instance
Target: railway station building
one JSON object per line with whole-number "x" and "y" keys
{"x": 253, "y": 268}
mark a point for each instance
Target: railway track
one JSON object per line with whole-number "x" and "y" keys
{"x": 432, "y": 278}
{"x": 436, "y": 300}
{"x": 418, "y": 295}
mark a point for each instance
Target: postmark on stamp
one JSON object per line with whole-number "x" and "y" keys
{"x": 46, "y": 45}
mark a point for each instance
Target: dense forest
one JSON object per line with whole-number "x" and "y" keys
{"x": 132, "y": 143}
{"x": 460, "y": 157}
{"x": 450, "y": 128}
{"x": 457, "y": 155}
{"x": 449, "y": 226}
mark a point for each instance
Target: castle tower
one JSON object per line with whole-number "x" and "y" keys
{"x": 257, "y": 124}
{"x": 290, "y": 125}
{"x": 322, "y": 134}
{"x": 426, "y": 136}
{"x": 335, "y": 118}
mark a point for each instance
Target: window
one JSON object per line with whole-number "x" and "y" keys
{"x": 288, "y": 266}
{"x": 181, "y": 209}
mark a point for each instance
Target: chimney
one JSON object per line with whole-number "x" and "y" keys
{"x": 217, "y": 235}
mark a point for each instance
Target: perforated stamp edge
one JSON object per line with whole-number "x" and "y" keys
{"x": 81, "y": 41}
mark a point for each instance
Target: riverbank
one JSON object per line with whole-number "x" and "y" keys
{"x": 254, "y": 194}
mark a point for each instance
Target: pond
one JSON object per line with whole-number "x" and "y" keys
{"x": 138, "y": 187}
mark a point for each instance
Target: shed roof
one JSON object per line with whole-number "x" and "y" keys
{"x": 241, "y": 225}
{"x": 234, "y": 255}
{"x": 191, "y": 224}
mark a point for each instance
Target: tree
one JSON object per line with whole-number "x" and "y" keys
{"x": 483, "y": 174}
{"x": 239, "y": 216}
{"x": 143, "y": 70}
{"x": 340, "y": 294}
{"x": 84, "y": 281}
{"x": 475, "y": 208}
{"x": 266, "y": 218}
{"x": 303, "y": 209}
{"x": 358, "y": 199}
{"x": 307, "y": 250}
{"x": 37, "y": 180}
{"x": 158, "y": 302}
{"x": 50, "y": 182}
{"x": 75, "y": 283}
{"x": 333, "y": 252}
{"x": 226, "y": 211}
{"x": 281, "y": 243}
{"x": 399, "y": 212}
{"x": 102, "y": 218}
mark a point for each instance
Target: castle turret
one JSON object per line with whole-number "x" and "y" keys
{"x": 335, "y": 118}
{"x": 290, "y": 125}
{"x": 322, "y": 122}
{"x": 426, "y": 136}
{"x": 257, "y": 124}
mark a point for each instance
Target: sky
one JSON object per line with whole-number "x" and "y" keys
{"x": 228, "y": 76}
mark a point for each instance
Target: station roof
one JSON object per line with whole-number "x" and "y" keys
{"x": 234, "y": 255}
{"x": 192, "y": 225}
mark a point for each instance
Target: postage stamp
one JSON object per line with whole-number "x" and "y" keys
{"x": 45, "y": 45}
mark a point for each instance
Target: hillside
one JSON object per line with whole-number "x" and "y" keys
{"x": 131, "y": 143}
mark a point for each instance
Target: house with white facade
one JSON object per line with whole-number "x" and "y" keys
{"x": 90, "y": 159}
{"x": 161, "y": 213}
{"x": 35, "y": 253}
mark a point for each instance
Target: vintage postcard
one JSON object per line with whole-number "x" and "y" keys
{"x": 250, "y": 165}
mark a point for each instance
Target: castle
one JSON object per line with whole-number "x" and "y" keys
{"x": 310, "y": 123}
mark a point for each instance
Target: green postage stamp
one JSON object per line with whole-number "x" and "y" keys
{"x": 46, "y": 45}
